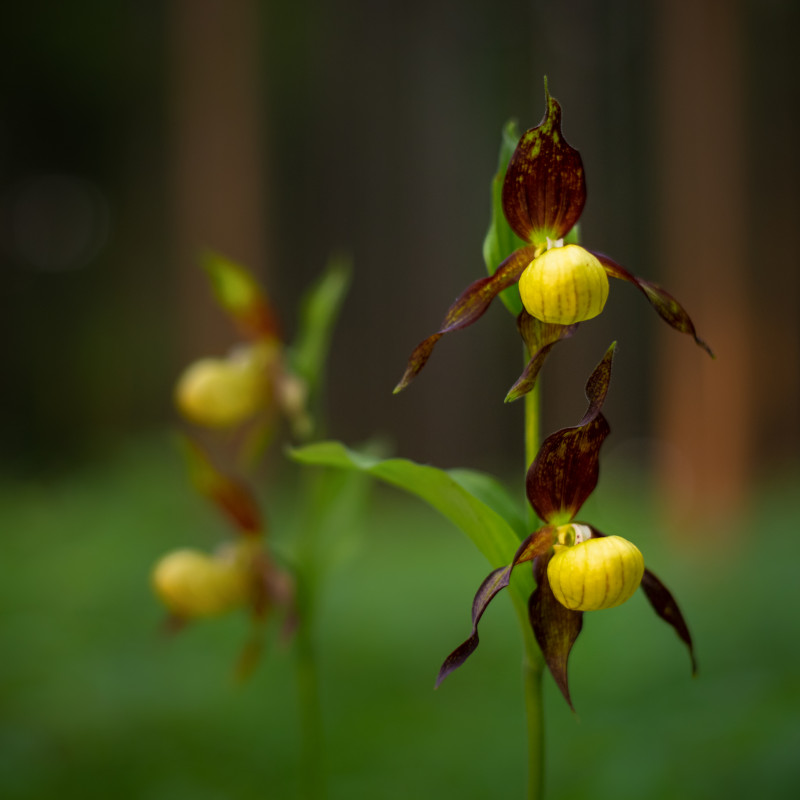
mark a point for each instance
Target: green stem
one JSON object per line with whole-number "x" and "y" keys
{"x": 532, "y": 402}
{"x": 534, "y": 714}
{"x": 532, "y": 662}
{"x": 312, "y": 761}
{"x": 326, "y": 498}
{"x": 312, "y": 764}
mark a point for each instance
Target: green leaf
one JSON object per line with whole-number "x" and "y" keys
{"x": 328, "y": 525}
{"x": 501, "y": 241}
{"x": 492, "y": 535}
{"x": 319, "y": 310}
{"x": 574, "y": 236}
{"x": 488, "y": 489}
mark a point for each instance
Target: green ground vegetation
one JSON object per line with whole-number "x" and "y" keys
{"x": 95, "y": 702}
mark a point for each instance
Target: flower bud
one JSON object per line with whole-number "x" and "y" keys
{"x": 221, "y": 393}
{"x": 596, "y": 573}
{"x": 564, "y": 285}
{"x": 193, "y": 584}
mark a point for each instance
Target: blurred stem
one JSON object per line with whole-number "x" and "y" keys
{"x": 328, "y": 504}
{"x": 312, "y": 763}
{"x": 532, "y": 662}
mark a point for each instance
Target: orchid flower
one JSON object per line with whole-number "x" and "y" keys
{"x": 253, "y": 383}
{"x": 240, "y": 574}
{"x": 560, "y": 285}
{"x": 577, "y": 568}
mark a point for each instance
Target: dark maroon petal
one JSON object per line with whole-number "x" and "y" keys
{"x": 665, "y": 606}
{"x": 597, "y": 385}
{"x": 668, "y": 308}
{"x": 565, "y": 471}
{"x": 539, "y": 338}
{"x": 233, "y": 498}
{"x": 544, "y": 190}
{"x": 555, "y": 627}
{"x": 537, "y": 543}
{"x": 468, "y": 308}
{"x": 497, "y": 580}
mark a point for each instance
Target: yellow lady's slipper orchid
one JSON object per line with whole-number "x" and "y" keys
{"x": 543, "y": 195}
{"x": 240, "y": 574}
{"x": 577, "y": 568}
{"x": 193, "y": 584}
{"x": 222, "y": 393}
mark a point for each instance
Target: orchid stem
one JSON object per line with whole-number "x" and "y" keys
{"x": 532, "y": 662}
{"x": 534, "y": 713}
{"x": 532, "y": 401}
{"x": 312, "y": 762}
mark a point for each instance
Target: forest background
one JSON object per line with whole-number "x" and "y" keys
{"x": 134, "y": 134}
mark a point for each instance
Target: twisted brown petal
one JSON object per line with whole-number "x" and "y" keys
{"x": 539, "y": 338}
{"x": 536, "y": 544}
{"x": 665, "y": 606}
{"x": 555, "y": 627}
{"x": 564, "y": 472}
{"x": 667, "y": 307}
{"x": 468, "y": 308}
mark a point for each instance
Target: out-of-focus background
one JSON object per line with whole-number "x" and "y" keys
{"x": 135, "y": 134}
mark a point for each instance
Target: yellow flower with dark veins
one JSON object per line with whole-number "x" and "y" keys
{"x": 564, "y": 285}
{"x": 577, "y": 568}
{"x": 560, "y": 284}
{"x": 587, "y": 574}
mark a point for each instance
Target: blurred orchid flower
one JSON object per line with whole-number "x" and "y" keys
{"x": 253, "y": 383}
{"x": 240, "y": 575}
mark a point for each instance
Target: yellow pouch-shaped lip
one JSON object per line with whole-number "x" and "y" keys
{"x": 194, "y": 584}
{"x": 564, "y": 285}
{"x": 594, "y": 574}
{"x": 220, "y": 393}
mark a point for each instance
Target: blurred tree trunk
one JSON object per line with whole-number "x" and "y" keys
{"x": 705, "y": 408}
{"x": 217, "y": 144}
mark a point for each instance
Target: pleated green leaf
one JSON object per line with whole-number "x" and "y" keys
{"x": 494, "y": 537}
